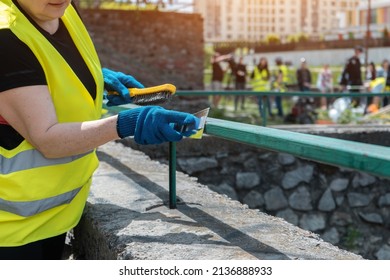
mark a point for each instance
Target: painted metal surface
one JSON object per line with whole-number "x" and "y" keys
{"x": 368, "y": 158}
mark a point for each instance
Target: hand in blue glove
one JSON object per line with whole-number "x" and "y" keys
{"x": 119, "y": 82}
{"x": 155, "y": 125}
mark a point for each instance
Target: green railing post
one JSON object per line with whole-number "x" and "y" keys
{"x": 172, "y": 175}
{"x": 264, "y": 106}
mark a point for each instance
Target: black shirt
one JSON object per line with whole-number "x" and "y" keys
{"x": 217, "y": 72}
{"x": 303, "y": 76}
{"x": 19, "y": 67}
{"x": 240, "y": 78}
{"x": 352, "y": 74}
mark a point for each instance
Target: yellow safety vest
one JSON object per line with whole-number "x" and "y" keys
{"x": 378, "y": 85}
{"x": 40, "y": 197}
{"x": 284, "y": 70}
{"x": 260, "y": 81}
{"x": 281, "y": 87}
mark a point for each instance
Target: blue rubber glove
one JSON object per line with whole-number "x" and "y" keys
{"x": 119, "y": 82}
{"x": 155, "y": 125}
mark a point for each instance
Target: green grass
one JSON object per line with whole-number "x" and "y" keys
{"x": 249, "y": 114}
{"x": 352, "y": 237}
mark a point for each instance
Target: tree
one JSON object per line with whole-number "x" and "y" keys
{"x": 385, "y": 33}
{"x": 386, "y": 38}
{"x": 302, "y": 38}
{"x": 292, "y": 38}
{"x": 272, "y": 39}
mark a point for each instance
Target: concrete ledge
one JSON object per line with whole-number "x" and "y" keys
{"x": 364, "y": 133}
{"x": 127, "y": 218}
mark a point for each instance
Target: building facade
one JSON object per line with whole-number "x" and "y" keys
{"x": 254, "y": 20}
{"x": 379, "y": 19}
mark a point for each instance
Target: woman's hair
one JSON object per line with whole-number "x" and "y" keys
{"x": 373, "y": 71}
{"x": 265, "y": 65}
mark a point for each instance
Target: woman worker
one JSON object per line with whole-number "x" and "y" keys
{"x": 51, "y": 89}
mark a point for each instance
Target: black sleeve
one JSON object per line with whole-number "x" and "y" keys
{"x": 345, "y": 74}
{"x": 19, "y": 67}
{"x": 299, "y": 77}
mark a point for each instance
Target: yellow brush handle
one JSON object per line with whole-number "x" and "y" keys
{"x": 152, "y": 90}
{"x": 149, "y": 90}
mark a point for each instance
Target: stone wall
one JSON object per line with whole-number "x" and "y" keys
{"x": 155, "y": 47}
{"x": 349, "y": 209}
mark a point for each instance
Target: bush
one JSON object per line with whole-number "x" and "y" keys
{"x": 272, "y": 39}
{"x": 385, "y": 33}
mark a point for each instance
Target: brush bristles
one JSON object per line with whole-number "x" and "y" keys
{"x": 154, "y": 98}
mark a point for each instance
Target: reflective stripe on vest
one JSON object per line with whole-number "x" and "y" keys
{"x": 31, "y": 159}
{"x": 31, "y": 208}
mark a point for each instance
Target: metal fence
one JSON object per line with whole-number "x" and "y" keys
{"x": 373, "y": 159}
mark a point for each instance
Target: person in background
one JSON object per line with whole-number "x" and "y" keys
{"x": 217, "y": 75}
{"x": 369, "y": 85}
{"x": 386, "y": 99}
{"x": 383, "y": 72}
{"x": 280, "y": 79}
{"x": 291, "y": 77}
{"x": 240, "y": 82}
{"x": 378, "y": 85}
{"x": 352, "y": 75}
{"x": 260, "y": 80}
{"x": 51, "y": 95}
{"x": 325, "y": 84}
{"x": 304, "y": 76}
{"x": 371, "y": 72}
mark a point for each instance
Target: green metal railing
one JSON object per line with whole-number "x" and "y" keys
{"x": 277, "y": 93}
{"x": 363, "y": 157}
{"x": 368, "y": 158}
